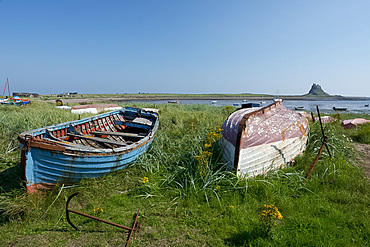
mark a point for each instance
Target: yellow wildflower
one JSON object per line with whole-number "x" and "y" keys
{"x": 145, "y": 180}
{"x": 270, "y": 213}
{"x": 97, "y": 210}
{"x": 218, "y": 187}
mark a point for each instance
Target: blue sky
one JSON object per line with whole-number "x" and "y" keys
{"x": 203, "y": 46}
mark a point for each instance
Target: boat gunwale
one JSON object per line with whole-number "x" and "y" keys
{"x": 28, "y": 142}
{"x": 69, "y": 149}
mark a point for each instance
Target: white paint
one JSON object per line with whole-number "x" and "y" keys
{"x": 263, "y": 158}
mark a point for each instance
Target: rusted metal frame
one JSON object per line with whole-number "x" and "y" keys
{"x": 130, "y": 229}
{"x": 317, "y": 158}
{"x": 324, "y": 143}
{"x": 313, "y": 117}
{"x": 322, "y": 131}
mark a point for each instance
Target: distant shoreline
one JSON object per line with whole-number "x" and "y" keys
{"x": 148, "y": 97}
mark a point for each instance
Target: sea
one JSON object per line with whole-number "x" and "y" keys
{"x": 353, "y": 106}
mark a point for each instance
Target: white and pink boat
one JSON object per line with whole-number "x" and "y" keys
{"x": 259, "y": 139}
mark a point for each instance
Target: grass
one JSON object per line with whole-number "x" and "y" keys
{"x": 185, "y": 201}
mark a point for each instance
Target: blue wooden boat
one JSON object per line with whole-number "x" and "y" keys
{"x": 91, "y": 147}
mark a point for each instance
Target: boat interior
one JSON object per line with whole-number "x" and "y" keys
{"x": 109, "y": 131}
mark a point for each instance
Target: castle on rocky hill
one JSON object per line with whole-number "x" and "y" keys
{"x": 316, "y": 90}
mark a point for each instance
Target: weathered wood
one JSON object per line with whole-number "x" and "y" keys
{"x": 67, "y": 152}
{"x": 134, "y": 125}
{"x": 117, "y": 134}
{"x": 256, "y": 140}
{"x": 97, "y": 139}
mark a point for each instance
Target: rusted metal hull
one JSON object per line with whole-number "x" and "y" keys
{"x": 260, "y": 139}
{"x": 86, "y": 148}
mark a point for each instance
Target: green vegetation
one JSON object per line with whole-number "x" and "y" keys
{"x": 316, "y": 90}
{"x": 359, "y": 134}
{"x": 185, "y": 196}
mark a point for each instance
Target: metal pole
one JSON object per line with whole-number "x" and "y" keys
{"x": 316, "y": 159}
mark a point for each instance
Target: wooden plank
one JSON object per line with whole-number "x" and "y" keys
{"x": 97, "y": 139}
{"x": 143, "y": 121}
{"x": 117, "y": 134}
{"x": 134, "y": 125}
{"x": 110, "y": 128}
{"x": 66, "y": 143}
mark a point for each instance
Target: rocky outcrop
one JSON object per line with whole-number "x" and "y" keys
{"x": 316, "y": 90}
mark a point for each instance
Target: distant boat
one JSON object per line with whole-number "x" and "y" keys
{"x": 340, "y": 108}
{"x": 367, "y": 105}
{"x": 250, "y": 105}
{"x": 213, "y": 101}
{"x": 16, "y": 100}
{"x": 173, "y": 101}
{"x": 244, "y": 100}
{"x": 94, "y": 108}
{"x": 257, "y": 140}
{"x": 236, "y": 104}
{"x": 352, "y": 123}
{"x": 299, "y": 108}
{"x": 87, "y": 148}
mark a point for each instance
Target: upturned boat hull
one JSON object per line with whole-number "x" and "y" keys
{"x": 86, "y": 148}
{"x": 258, "y": 140}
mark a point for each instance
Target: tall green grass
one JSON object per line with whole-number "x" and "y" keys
{"x": 183, "y": 202}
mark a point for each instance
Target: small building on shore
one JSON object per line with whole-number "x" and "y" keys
{"x": 28, "y": 95}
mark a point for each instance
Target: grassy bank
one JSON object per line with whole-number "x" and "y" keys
{"x": 185, "y": 196}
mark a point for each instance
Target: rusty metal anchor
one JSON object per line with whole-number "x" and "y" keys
{"x": 324, "y": 143}
{"x": 135, "y": 225}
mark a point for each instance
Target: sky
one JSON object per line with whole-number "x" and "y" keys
{"x": 193, "y": 46}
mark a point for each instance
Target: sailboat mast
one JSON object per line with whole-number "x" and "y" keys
{"x": 5, "y": 88}
{"x": 7, "y": 81}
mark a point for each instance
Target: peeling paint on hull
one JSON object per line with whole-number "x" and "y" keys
{"x": 47, "y": 161}
{"x": 260, "y": 139}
